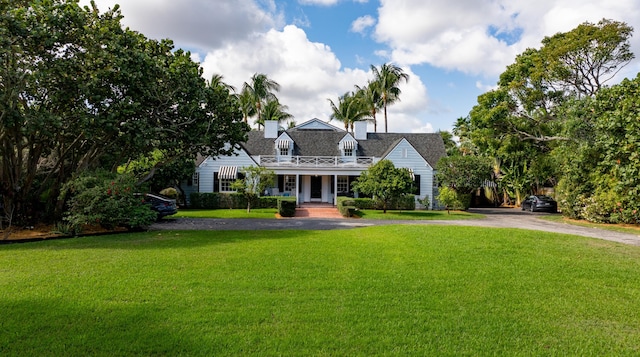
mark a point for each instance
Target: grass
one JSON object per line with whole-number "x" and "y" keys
{"x": 226, "y": 213}
{"x": 385, "y": 290}
{"x": 621, "y": 228}
{"x": 266, "y": 213}
{"x": 417, "y": 215}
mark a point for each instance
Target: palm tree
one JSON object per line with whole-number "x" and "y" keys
{"x": 261, "y": 90}
{"x": 273, "y": 110}
{"x": 387, "y": 79}
{"x": 216, "y": 81}
{"x": 350, "y": 109}
{"x": 370, "y": 95}
{"x": 247, "y": 105}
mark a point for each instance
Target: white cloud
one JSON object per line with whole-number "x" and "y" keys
{"x": 308, "y": 72}
{"x": 196, "y": 24}
{"x": 362, "y": 23}
{"x": 465, "y": 35}
{"x": 318, "y": 2}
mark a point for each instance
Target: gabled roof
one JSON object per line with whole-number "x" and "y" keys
{"x": 315, "y": 124}
{"x": 325, "y": 143}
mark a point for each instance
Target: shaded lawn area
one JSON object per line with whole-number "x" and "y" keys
{"x": 389, "y": 290}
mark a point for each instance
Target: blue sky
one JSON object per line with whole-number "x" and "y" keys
{"x": 453, "y": 50}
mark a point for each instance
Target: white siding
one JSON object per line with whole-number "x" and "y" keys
{"x": 405, "y": 155}
{"x": 209, "y": 166}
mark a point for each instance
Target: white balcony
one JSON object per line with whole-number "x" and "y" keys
{"x": 314, "y": 161}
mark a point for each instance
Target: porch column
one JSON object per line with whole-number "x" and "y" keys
{"x": 297, "y": 190}
{"x": 335, "y": 190}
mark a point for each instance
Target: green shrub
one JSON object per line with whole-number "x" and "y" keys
{"x": 215, "y": 200}
{"x": 449, "y": 198}
{"x": 287, "y": 207}
{"x": 107, "y": 199}
{"x": 425, "y": 202}
{"x": 268, "y": 201}
{"x": 345, "y": 204}
{"x": 170, "y": 192}
{"x": 205, "y": 200}
{"x": 363, "y": 203}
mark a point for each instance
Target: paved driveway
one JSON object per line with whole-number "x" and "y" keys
{"x": 495, "y": 217}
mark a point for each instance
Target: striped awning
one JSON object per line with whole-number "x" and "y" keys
{"x": 283, "y": 144}
{"x": 227, "y": 172}
{"x": 413, "y": 176}
{"x": 349, "y": 145}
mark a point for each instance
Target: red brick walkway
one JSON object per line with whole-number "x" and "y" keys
{"x": 317, "y": 211}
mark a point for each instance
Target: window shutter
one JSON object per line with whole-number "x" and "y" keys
{"x": 216, "y": 182}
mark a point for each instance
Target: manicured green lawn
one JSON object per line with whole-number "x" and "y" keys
{"x": 226, "y": 213}
{"x": 367, "y": 214}
{"x": 417, "y": 215}
{"x": 610, "y": 227}
{"x": 386, "y": 290}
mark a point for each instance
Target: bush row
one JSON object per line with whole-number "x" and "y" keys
{"x": 405, "y": 203}
{"x": 215, "y": 200}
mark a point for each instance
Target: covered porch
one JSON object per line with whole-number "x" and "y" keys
{"x": 314, "y": 187}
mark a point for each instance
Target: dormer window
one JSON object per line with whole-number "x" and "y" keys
{"x": 283, "y": 147}
{"x": 348, "y": 147}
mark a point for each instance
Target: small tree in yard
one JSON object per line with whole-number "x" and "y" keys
{"x": 449, "y": 198}
{"x": 256, "y": 180}
{"x": 384, "y": 182}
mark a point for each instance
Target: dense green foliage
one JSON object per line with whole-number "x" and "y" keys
{"x": 384, "y": 182}
{"x": 463, "y": 173}
{"x": 553, "y": 121}
{"x": 602, "y": 182}
{"x": 393, "y": 290}
{"x": 107, "y": 199}
{"x": 79, "y": 92}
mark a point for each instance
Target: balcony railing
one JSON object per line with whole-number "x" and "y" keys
{"x": 314, "y": 161}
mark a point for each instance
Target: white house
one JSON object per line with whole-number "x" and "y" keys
{"x": 316, "y": 161}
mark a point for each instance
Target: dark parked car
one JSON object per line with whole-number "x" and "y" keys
{"x": 539, "y": 203}
{"x": 165, "y": 206}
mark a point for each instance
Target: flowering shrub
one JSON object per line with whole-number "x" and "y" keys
{"x": 106, "y": 199}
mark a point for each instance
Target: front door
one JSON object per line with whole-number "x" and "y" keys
{"x": 316, "y": 187}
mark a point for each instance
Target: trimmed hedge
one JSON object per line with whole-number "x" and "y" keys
{"x": 216, "y": 200}
{"x": 287, "y": 207}
{"x": 346, "y": 206}
{"x": 405, "y": 203}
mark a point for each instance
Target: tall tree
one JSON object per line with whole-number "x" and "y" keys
{"x": 349, "y": 109}
{"x": 525, "y": 119}
{"x": 273, "y": 110}
{"x": 584, "y": 59}
{"x": 384, "y": 182}
{"x": 387, "y": 79}
{"x": 217, "y": 80}
{"x": 247, "y": 104}
{"x": 370, "y": 95}
{"x": 261, "y": 89}
{"x": 79, "y": 92}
